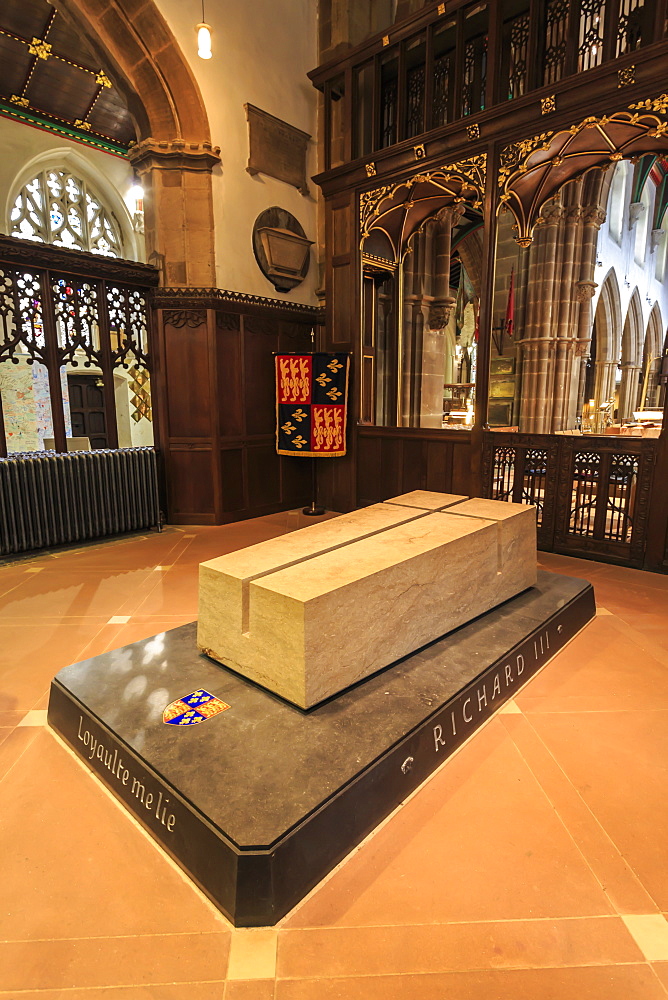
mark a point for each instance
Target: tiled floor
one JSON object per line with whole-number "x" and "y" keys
{"x": 532, "y": 866}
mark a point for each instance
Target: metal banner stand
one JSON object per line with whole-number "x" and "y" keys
{"x": 313, "y": 510}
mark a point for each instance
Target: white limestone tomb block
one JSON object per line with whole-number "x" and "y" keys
{"x": 312, "y": 612}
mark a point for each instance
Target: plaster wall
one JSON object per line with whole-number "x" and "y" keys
{"x": 26, "y": 149}
{"x": 261, "y": 54}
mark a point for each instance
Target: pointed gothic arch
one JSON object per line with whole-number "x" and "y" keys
{"x": 136, "y": 43}
{"x": 607, "y": 329}
{"x": 631, "y": 358}
{"x": 174, "y": 140}
{"x": 651, "y": 359}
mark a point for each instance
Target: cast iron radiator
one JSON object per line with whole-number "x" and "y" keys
{"x": 47, "y": 498}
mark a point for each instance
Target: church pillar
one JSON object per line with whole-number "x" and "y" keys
{"x": 628, "y": 391}
{"x": 604, "y": 387}
{"x": 569, "y": 237}
{"x": 537, "y": 371}
{"x": 178, "y": 208}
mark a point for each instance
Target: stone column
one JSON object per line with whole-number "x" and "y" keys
{"x": 178, "y": 206}
{"x": 628, "y": 390}
{"x": 570, "y": 241}
{"x": 584, "y": 292}
{"x": 604, "y": 387}
{"x": 426, "y": 308}
{"x": 538, "y": 341}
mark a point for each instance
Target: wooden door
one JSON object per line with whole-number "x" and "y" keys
{"x": 87, "y": 409}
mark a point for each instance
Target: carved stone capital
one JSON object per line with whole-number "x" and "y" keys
{"x": 552, "y": 214}
{"x": 174, "y": 153}
{"x": 573, "y": 213}
{"x": 439, "y": 313}
{"x": 593, "y": 214}
{"x": 584, "y": 290}
{"x": 451, "y": 214}
{"x": 582, "y": 348}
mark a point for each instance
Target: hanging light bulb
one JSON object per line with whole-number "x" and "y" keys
{"x": 203, "y": 38}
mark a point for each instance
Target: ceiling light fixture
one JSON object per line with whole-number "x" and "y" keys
{"x": 203, "y": 38}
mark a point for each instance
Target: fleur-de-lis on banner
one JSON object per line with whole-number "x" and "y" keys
{"x": 323, "y": 380}
{"x": 299, "y": 441}
{"x": 334, "y": 365}
{"x": 334, "y": 394}
{"x": 288, "y": 427}
{"x": 299, "y": 415}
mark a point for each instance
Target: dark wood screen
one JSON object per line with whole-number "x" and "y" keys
{"x": 592, "y": 494}
{"x": 63, "y": 307}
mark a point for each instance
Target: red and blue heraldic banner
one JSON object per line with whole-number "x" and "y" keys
{"x": 311, "y": 404}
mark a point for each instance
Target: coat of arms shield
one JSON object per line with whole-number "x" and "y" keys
{"x": 193, "y": 708}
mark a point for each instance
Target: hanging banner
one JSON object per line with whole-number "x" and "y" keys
{"x": 311, "y": 404}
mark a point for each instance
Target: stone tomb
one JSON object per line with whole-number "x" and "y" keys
{"x": 260, "y": 802}
{"x": 311, "y": 613}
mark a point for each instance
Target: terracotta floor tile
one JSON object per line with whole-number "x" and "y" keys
{"x": 653, "y": 623}
{"x": 630, "y": 982}
{"x": 191, "y": 991}
{"x": 309, "y": 954}
{"x": 602, "y": 669}
{"x": 13, "y": 747}
{"x": 116, "y": 961}
{"x": 617, "y": 879}
{"x": 61, "y": 592}
{"x": 173, "y": 592}
{"x": 631, "y": 598}
{"x": 258, "y": 989}
{"x": 32, "y": 654}
{"x": 617, "y": 761}
{"x": 10, "y": 719}
{"x": 75, "y": 865}
{"x": 661, "y": 970}
{"x": 481, "y": 841}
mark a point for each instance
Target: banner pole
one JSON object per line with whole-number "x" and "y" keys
{"x": 313, "y": 510}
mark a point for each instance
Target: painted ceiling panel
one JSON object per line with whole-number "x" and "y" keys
{"x": 48, "y": 71}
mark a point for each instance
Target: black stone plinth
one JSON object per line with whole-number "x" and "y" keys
{"x": 258, "y": 803}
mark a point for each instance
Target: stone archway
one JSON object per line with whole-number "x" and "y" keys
{"x": 632, "y": 352}
{"x": 174, "y": 155}
{"x": 608, "y": 323}
{"x": 651, "y": 360}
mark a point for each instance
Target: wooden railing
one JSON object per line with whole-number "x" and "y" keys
{"x": 592, "y": 493}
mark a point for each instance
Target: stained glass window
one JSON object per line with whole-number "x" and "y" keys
{"x": 59, "y": 208}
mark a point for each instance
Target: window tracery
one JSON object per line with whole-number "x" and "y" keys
{"x": 60, "y": 208}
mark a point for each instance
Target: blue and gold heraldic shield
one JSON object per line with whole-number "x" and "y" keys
{"x": 193, "y": 708}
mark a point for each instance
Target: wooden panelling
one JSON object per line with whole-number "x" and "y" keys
{"x": 342, "y": 295}
{"x": 230, "y": 375}
{"x": 191, "y": 486}
{"x": 233, "y": 479}
{"x": 259, "y": 342}
{"x": 264, "y": 484}
{"x": 187, "y": 374}
{"x": 391, "y": 461}
{"x": 216, "y": 363}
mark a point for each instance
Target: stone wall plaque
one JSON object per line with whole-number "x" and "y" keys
{"x": 276, "y": 148}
